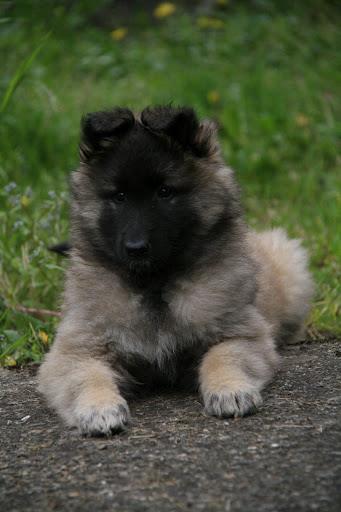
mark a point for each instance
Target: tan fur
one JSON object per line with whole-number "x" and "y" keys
{"x": 229, "y": 365}
{"x": 285, "y": 285}
{"x": 234, "y": 306}
{"x": 83, "y": 390}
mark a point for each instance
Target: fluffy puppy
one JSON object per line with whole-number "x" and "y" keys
{"x": 166, "y": 284}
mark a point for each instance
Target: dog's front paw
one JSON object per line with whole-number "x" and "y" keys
{"x": 100, "y": 421}
{"x": 226, "y": 404}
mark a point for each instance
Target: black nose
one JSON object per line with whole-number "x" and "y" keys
{"x": 136, "y": 248}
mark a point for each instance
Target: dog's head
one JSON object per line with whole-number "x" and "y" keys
{"x": 151, "y": 189}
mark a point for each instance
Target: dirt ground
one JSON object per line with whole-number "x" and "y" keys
{"x": 174, "y": 458}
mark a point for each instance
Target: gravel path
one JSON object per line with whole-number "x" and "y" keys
{"x": 285, "y": 458}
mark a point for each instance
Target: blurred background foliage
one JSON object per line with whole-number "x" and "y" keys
{"x": 269, "y": 73}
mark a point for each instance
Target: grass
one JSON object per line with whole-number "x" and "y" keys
{"x": 270, "y": 75}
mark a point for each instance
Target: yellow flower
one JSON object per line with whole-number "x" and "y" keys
{"x": 302, "y": 120}
{"x": 222, "y": 3}
{"x": 9, "y": 361}
{"x": 213, "y": 97}
{"x": 25, "y": 201}
{"x": 165, "y": 9}
{"x": 43, "y": 336}
{"x": 207, "y": 22}
{"x": 119, "y": 33}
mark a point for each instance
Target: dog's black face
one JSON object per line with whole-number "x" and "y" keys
{"x": 144, "y": 179}
{"x": 146, "y": 219}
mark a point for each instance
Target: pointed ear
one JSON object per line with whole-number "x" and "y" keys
{"x": 206, "y": 140}
{"x": 182, "y": 125}
{"x": 179, "y": 124}
{"x": 100, "y": 129}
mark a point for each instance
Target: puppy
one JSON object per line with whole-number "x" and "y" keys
{"x": 166, "y": 284}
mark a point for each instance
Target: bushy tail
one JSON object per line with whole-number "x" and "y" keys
{"x": 285, "y": 284}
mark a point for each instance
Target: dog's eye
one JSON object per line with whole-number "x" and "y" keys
{"x": 165, "y": 192}
{"x": 119, "y": 197}
{"x": 116, "y": 196}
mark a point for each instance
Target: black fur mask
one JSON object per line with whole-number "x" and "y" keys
{"x": 143, "y": 178}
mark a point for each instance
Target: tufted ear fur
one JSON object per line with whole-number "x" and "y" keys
{"x": 206, "y": 140}
{"x": 181, "y": 125}
{"x": 100, "y": 129}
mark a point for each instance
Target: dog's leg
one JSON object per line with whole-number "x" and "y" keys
{"x": 232, "y": 375}
{"x": 84, "y": 391}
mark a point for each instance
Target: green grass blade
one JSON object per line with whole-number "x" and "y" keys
{"x": 20, "y": 74}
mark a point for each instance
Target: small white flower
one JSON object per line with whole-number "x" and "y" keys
{"x": 10, "y": 186}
